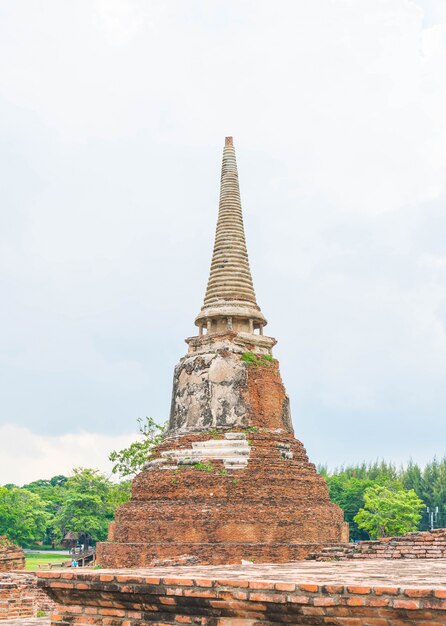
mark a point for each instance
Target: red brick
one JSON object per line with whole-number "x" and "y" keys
{"x": 310, "y": 588}
{"x": 285, "y": 586}
{"x": 388, "y": 591}
{"x": 232, "y": 594}
{"x": 358, "y": 590}
{"x": 418, "y": 593}
{"x": 232, "y": 583}
{"x": 174, "y": 591}
{"x": 260, "y": 584}
{"x": 72, "y": 608}
{"x": 113, "y": 612}
{"x": 267, "y": 597}
{"x": 373, "y": 601}
{"x": 185, "y": 582}
{"x": 324, "y": 601}
{"x": 410, "y": 605}
{"x": 199, "y": 593}
{"x": 333, "y": 589}
{"x": 298, "y": 599}
{"x": 353, "y": 601}
{"x": 204, "y": 582}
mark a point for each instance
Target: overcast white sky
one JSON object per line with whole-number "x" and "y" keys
{"x": 113, "y": 115}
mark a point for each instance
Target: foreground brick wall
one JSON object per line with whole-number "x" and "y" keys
{"x": 126, "y": 598}
{"x": 21, "y": 597}
{"x": 11, "y": 556}
{"x": 418, "y": 545}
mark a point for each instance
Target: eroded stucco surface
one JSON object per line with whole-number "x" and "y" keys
{"x": 208, "y": 393}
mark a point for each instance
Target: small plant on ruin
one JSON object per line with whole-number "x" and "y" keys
{"x": 41, "y": 614}
{"x": 204, "y": 467}
{"x": 257, "y": 360}
{"x": 215, "y": 433}
{"x": 235, "y": 481}
{"x": 222, "y": 472}
{"x": 251, "y": 429}
{"x": 249, "y": 357}
{"x": 130, "y": 461}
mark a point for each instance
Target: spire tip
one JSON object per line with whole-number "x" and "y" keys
{"x": 228, "y": 141}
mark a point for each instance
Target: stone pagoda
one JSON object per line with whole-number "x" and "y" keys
{"x": 229, "y": 481}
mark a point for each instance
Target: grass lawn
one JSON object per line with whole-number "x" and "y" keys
{"x": 42, "y": 558}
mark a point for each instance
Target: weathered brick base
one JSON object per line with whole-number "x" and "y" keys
{"x": 418, "y": 545}
{"x": 343, "y": 594}
{"x": 21, "y": 597}
{"x": 276, "y": 509}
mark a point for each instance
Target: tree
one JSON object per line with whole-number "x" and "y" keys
{"x": 84, "y": 507}
{"x": 348, "y": 493}
{"x": 23, "y": 518}
{"x": 52, "y": 492}
{"x": 130, "y": 461}
{"x": 89, "y": 503}
{"x": 389, "y": 510}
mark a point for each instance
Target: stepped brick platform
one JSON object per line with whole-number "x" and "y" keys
{"x": 359, "y": 593}
{"x": 416, "y": 545}
{"x": 274, "y": 508}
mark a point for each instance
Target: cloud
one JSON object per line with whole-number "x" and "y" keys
{"x": 25, "y": 456}
{"x": 112, "y": 119}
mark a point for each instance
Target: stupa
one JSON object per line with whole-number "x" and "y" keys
{"x": 229, "y": 482}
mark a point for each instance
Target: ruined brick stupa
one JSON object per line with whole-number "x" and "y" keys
{"x": 230, "y": 481}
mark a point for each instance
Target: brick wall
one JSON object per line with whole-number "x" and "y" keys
{"x": 417, "y": 545}
{"x": 123, "y": 599}
{"x": 11, "y": 556}
{"x": 21, "y": 597}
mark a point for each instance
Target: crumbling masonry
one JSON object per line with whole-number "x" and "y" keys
{"x": 230, "y": 481}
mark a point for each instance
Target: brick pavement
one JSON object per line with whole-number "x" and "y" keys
{"x": 358, "y": 593}
{"x": 27, "y": 621}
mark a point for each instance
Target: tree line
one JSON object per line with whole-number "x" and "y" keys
{"x": 386, "y": 491}
{"x": 378, "y": 499}
{"x": 46, "y": 510}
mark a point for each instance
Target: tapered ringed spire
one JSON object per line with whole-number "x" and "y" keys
{"x": 230, "y": 300}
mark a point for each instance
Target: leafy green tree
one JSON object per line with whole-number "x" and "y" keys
{"x": 52, "y": 492}
{"x": 86, "y": 506}
{"x": 130, "y": 461}
{"x": 89, "y": 503}
{"x": 348, "y": 493}
{"x": 23, "y": 518}
{"x": 389, "y": 510}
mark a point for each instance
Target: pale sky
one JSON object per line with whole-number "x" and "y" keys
{"x": 113, "y": 115}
